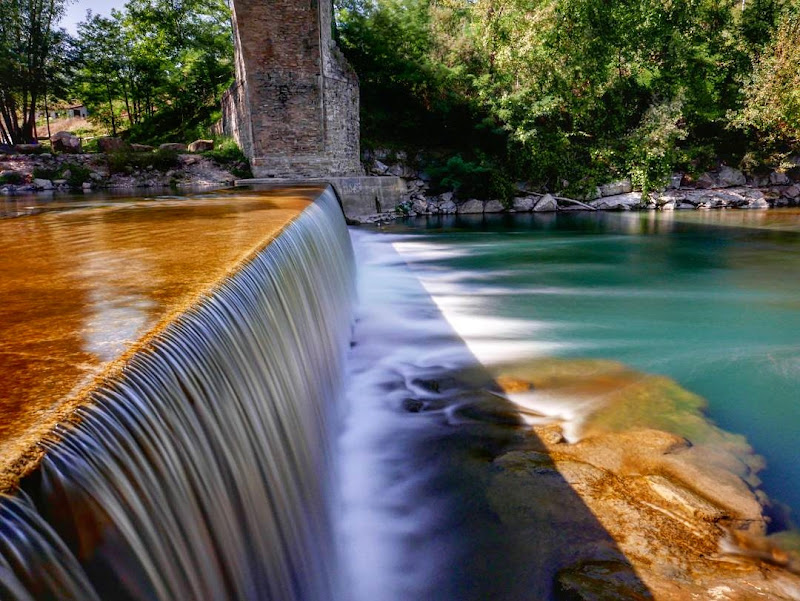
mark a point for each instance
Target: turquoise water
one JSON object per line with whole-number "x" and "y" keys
{"x": 714, "y": 305}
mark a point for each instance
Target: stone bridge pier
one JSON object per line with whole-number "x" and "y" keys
{"x": 294, "y": 107}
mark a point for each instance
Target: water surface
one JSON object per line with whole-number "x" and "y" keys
{"x": 710, "y": 300}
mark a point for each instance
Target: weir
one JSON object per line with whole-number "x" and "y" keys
{"x": 198, "y": 465}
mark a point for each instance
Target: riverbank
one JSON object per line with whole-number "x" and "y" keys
{"x": 724, "y": 188}
{"x": 47, "y": 173}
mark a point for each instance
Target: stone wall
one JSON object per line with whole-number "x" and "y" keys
{"x": 359, "y": 195}
{"x": 294, "y": 107}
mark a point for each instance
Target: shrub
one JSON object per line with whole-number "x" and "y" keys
{"x": 12, "y": 178}
{"x": 76, "y": 174}
{"x": 125, "y": 161}
{"x": 42, "y": 173}
{"x": 472, "y": 179}
{"x": 228, "y": 155}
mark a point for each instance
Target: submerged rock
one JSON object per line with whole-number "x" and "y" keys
{"x": 600, "y": 581}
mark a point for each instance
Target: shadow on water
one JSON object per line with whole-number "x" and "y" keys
{"x": 446, "y": 494}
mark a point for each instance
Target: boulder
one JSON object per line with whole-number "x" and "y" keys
{"x": 174, "y": 147}
{"x": 446, "y": 197}
{"x": 60, "y": 183}
{"x": 758, "y": 203}
{"x": 779, "y": 179}
{"x": 109, "y": 144}
{"x": 402, "y": 170}
{"x": 66, "y": 142}
{"x": 42, "y": 184}
{"x": 675, "y": 181}
{"x": 420, "y": 207}
{"x": 622, "y": 186}
{"x": 546, "y": 204}
{"x": 201, "y": 146}
{"x": 447, "y": 207}
{"x": 379, "y": 167}
{"x": 668, "y": 206}
{"x": 759, "y": 180}
{"x": 620, "y": 202}
{"x": 730, "y": 177}
{"x": 142, "y": 148}
{"x": 792, "y": 191}
{"x": 471, "y": 206}
{"x": 493, "y": 206}
{"x": 707, "y": 180}
{"x": 524, "y": 204}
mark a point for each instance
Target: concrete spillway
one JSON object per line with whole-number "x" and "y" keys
{"x": 168, "y": 369}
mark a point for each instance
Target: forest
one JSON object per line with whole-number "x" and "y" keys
{"x": 566, "y": 94}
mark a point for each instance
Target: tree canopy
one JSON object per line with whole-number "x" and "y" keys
{"x": 580, "y": 90}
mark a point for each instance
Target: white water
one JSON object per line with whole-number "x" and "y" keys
{"x": 205, "y": 471}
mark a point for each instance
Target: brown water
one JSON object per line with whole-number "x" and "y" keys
{"x": 81, "y": 281}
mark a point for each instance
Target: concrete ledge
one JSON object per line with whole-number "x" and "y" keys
{"x": 360, "y": 195}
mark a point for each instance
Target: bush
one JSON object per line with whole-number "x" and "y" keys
{"x": 125, "y": 161}
{"x": 228, "y": 155}
{"x": 472, "y": 179}
{"x": 13, "y": 178}
{"x": 77, "y": 174}
{"x": 42, "y": 173}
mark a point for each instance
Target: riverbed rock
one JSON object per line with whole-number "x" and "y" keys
{"x": 493, "y": 206}
{"x": 620, "y": 202}
{"x": 707, "y": 180}
{"x": 792, "y": 191}
{"x": 66, "y": 143}
{"x": 622, "y": 186}
{"x": 201, "y": 146}
{"x": 776, "y": 178}
{"x": 109, "y": 144}
{"x": 759, "y": 203}
{"x": 599, "y": 581}
{"x": 730, "y": 177}
{"x": 546, "y": 204}
{"x": 420, "y": 206}
{"x": 42, "y": 184}
{"x": 379, "y": 168}
{"x": 668, "y": 206}
{"x": 447, "y": 207}
{"x": 471, "y": 206}
{"x": 524, "y": 204}
{"x": 173, "y": 147}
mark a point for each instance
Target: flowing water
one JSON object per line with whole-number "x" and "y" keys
{"x": 245, "y": 453}
{"x": 205, "y": 471}
{"x": 711, "y": 301}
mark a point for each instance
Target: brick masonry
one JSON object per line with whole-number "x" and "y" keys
{"x": 294, "y": 106}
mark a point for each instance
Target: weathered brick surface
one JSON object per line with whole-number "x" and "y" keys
{"x": 294, "y": 107}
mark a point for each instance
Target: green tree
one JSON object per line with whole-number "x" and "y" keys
{"x": 29, "y": 40}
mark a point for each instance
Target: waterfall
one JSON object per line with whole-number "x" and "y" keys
{"x": 204, "y": 471}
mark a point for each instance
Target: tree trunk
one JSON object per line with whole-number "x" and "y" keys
{"x": 111, "y": 108}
